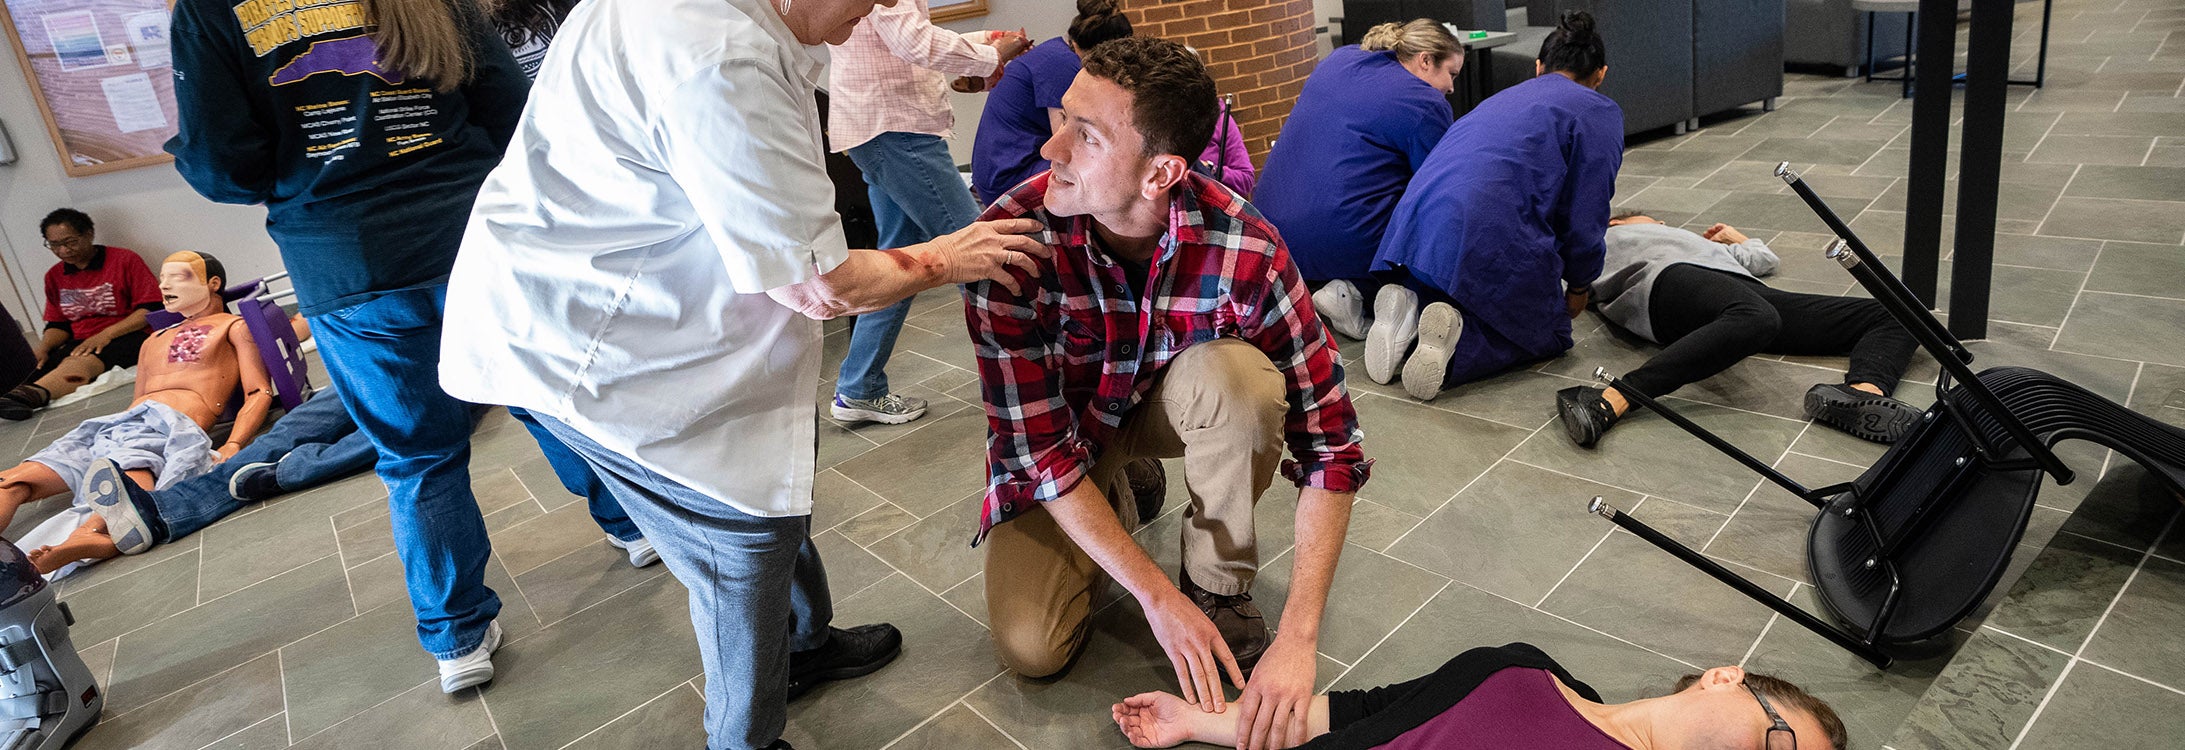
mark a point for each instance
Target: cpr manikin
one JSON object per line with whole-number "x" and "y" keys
{"x": 187, "y": 374}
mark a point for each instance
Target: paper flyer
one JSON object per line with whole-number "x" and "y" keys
{"x": 134, "y": 102}
{"x": 75, "y": 38}
{"x": 148, "y": 34}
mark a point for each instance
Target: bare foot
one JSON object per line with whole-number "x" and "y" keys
{"x": 87, "y": 542}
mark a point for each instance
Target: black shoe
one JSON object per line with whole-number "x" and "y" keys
{"x": 1149, "y": 486}
{"x": 1238, "y": 620}
{"x": 24, "y": 401}
{"x": 855, "y": 652}
{"x": 255, "y": 482}
{"x": 1864, "y": 415}
{"x": 1585, "y": 414}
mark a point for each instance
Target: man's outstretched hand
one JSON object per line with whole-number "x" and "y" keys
{"x": 1194, "y": 647}
{"x": 1279, "y": 696}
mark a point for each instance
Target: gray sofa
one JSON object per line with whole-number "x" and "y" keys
{"x": 1829, "y": 33}
{"x": 1669, "y": 62}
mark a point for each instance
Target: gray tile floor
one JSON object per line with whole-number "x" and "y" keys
{"x": 286, "y": 624}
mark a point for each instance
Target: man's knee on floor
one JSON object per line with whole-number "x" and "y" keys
{"x": 1031, "y": 652}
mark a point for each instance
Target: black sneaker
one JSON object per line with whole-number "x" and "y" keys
{"x": 1585, "y": 414}
{"x": 855, "y": 652}
{"x": 255, "y": 482}
{"x": 1148, "y": 485}
{"x": 17, "y": 405}
{"x": 1865, "y": 416}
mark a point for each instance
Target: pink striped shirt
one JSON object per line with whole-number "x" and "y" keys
{"x": 892, "y": 75}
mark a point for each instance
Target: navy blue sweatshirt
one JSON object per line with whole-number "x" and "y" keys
{"x": 367, "y": 178}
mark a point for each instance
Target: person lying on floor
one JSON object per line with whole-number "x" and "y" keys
{"x": 186, "y": 375}
{"x": 1516, "y": 698}
{"x": 1696, "y": 295}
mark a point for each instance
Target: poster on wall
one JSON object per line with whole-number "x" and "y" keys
{"x": 102, "y": 75}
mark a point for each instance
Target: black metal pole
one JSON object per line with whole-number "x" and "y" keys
{"x": 1980, "y": 167}
{"x": 1719, "y": 444}
{"x": 1890, "y": 291}
{"x": 1930, "y": 159}
{"x": 1806, "y": 619}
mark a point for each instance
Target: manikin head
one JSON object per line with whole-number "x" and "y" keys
{"x": 1726, "y": 708}
{"x": 1632, "y": 217}
{"x": 1424, "y": 47}
{"x": 190, "y": 284}
{"x": 1132, "y": 121}
{"x": 1574, "y": 50}
{"x": 68, "y": 233}
{"x": 825, "y": 21}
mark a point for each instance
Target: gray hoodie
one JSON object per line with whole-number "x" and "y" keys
{"x": 1638, "y": 253}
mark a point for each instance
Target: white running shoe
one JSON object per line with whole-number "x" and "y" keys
{"x": 641, "y": 551}
{"x": 1439, "y": 328}
{"x": 1395, "y": 324}
{"x": 474, "y": 668}
{"x": 1342, "y": 307}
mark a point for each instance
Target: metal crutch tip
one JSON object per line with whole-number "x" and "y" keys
{"x": 1599, "y": 507}
{"x": 1601, "y": 374}
{"x": 1840, "y": 251}
{"x": 1782, "y": 169}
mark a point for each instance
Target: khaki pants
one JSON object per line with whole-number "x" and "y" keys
{"x": 1220, "y": 405}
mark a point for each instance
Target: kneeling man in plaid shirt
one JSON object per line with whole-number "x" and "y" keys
{"x": 1170, "y": 323}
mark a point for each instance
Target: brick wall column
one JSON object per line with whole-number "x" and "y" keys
{"x": 1259, "y": 52}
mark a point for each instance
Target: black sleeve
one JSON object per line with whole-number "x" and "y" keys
{"x": 61, "y": 326}
{"x": 1370, "y": 718}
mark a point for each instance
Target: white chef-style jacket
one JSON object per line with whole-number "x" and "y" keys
{"x": 667, "y": 172}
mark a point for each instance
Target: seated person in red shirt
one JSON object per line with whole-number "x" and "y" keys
{"x": 96, "y": 298}
{"x": 1170, "y": 322}
{"x": 1516, "y": 698}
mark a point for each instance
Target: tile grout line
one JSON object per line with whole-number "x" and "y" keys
{"x": 2080, "y": 295}
{"x": 990, "y": 722}
{"x": 1393, "y": 631}
{"x": 1764, "y": 484}
{"x": 2079, "y": 654}
{"x": 603, "y": 725}
{"x": 1605, "y": 535}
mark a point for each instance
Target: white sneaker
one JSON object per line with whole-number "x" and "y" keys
{"x": 641, "y": 551}
{"x": 1439, "y": 328}
{"x": 1342, "y": 308}
{"x": 474, "y": 668}
{"x": 1395, "y": 324}
{"x": 894, "y": 408}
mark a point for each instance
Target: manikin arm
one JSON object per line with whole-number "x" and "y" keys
{"x": 257, "y": 390}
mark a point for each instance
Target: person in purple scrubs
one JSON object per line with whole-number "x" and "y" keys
{"x": 1023, "y": 107}
{"x": 1501, "y": 232}
{"x": 1225, "y": 158}
{"x": 1363, "y": 125}
{"x": 1516, "y": 698}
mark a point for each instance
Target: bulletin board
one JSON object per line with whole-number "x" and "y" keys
{"x": 956, "y": 10}
{"x": 102, "y": 75}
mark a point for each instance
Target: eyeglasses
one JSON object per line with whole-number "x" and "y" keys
{"x": 1780, "y": 736}
{"x": 58, "y": 244}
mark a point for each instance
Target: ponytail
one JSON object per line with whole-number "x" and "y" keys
{"x": 425, "y": 40}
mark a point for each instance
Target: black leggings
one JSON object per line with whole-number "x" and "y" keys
{"x": 1707, "y": 320}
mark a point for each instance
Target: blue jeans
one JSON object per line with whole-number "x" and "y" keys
{"x": 757, "y": 590}
{"x": 384, "y": 358}
{"x": 578, "y": 478}
{"x": 314, "y": 443}
{"x": 917, "y": 195}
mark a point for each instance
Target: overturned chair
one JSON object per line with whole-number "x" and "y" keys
{"x": 1912, "y": 547}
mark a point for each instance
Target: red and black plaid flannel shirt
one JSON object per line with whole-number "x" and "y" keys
{"x": 1060, "y": 365}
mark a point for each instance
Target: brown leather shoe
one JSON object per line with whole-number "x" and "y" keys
{"x": 1238, "y": 619}
{"x": 1148, "y": 486}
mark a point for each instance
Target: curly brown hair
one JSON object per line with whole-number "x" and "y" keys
{"x": 1172, "y": 98}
